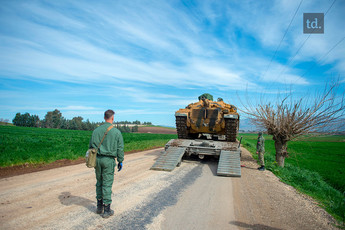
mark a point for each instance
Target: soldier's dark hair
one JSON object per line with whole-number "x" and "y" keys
{"x": 108, "y": 114}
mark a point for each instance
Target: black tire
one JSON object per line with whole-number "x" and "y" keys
{"x": 231, "y": 129}
{"x": 193, "y": 135}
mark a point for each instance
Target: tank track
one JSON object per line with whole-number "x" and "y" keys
{"x": 231, "y": 129}
{"x": 181, "y": 127}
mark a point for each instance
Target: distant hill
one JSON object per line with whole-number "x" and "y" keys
{"x": 247, "y": 126}
{"x": 156, "y": 129}
{"x": 5, "y": 123}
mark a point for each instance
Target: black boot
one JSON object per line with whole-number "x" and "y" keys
{"x": 262, "y": 168}
{"x": 100, "y": 206}
{"x": 107, "y": 211}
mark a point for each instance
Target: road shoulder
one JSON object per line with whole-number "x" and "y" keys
{"x": 261, "y": 201}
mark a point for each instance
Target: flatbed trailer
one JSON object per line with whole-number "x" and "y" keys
{"x": 229, "y": 154}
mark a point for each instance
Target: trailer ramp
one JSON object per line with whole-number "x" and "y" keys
{"x": 229, "y": 163}
{"x": 169, "y": 160}
{"x": 229, "y": 154}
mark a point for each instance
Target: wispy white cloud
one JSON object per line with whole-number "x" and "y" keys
{"x": 51, "y": 17}
{"x": 142, "y": 112}
{"x": 158, "y": 53}
{"x": 78, "y": 107}
{"x": 74, "y": 58}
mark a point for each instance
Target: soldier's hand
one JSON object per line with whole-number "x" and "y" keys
{"x": 257, "y": 152}
{"x": 119, "y": 166}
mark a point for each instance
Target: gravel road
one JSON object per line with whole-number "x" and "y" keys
{"x": 190, "y": 197}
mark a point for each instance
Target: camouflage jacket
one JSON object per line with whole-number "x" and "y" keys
{"x": 260, "y": 146}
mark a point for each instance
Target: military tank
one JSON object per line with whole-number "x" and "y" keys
{"x": 215, "y": 118}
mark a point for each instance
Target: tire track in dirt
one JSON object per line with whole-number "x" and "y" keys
{"x": 144, "y": 214}
{"x": 33, "y": 200}
{"x": 191, "y": 196}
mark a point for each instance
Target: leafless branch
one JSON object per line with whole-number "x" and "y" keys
{"x": 288, "y": 118}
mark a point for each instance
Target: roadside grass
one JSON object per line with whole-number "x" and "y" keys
{"x": 144, "y": 141}
{"x": 315, "y": 167}
{"x": 159, "y": 126}
{"x": 23, "y": 145}
{"x": 6, "y": 123}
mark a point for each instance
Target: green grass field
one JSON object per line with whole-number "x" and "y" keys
{"x": 159, "y": 126}
{"x": 316, "y": 166}
{"x": 20, "y": 145}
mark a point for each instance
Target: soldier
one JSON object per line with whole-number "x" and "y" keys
{"x": 111, "y": 148}
{"x": 260, "y": 149}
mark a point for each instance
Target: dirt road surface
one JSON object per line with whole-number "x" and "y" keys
{"x": 154, "y": 129}
{"x": 190, "y": 197}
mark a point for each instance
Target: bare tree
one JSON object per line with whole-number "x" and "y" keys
{"x": 289, "y": 118}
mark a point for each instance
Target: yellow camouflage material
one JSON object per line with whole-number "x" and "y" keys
{"x": 207, "y": 116}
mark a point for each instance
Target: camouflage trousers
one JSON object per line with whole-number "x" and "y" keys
{"x": 105, "y": 167}
{"x": 261, "y": 158}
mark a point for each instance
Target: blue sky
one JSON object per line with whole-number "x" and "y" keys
{"x": 147, "y": 59}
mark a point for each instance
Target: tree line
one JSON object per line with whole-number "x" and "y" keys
{"x": 133, "y": 122}
{"x": 55, "y": 120}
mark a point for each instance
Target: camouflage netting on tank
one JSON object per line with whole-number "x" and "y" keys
{"x": 207, "y": 96}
